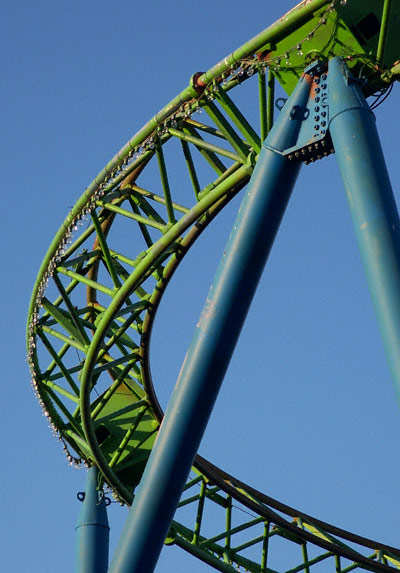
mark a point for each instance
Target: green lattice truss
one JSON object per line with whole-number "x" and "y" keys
{"x": 99, "y": 287}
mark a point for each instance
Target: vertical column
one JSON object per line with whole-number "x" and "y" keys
{"x": 372, "y": 205}
{"x": 212, "y": 346}
{"x": 92, "y": 529}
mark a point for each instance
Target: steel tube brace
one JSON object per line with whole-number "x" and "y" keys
{"x": 372, "y": 204}
{"x": 212, "y": 346}
{"x": 92, "y": 529}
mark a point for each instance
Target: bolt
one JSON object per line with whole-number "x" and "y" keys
{"x": 316, "y": 108}
{"x": 316, "y": 127}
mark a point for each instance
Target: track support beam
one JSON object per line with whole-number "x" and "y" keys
{"x": 92, "y": 529}
{"x": 213, "y": 344}
{"x": 372, "y": 204}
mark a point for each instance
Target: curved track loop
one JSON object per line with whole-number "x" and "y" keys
{"x": 100, "y": 285}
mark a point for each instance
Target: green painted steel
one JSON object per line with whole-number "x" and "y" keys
{"x": 383, "y": 34}
{"x": 338, "y": 29}
{"x": 96, "y": 297}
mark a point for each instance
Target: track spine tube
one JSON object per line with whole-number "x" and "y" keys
{"x": 212, "y": 346}
{"x": 372, "y": 204}
{"x": 92, "y": 529}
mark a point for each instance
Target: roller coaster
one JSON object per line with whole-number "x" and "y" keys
{"x": 97, "y": 293}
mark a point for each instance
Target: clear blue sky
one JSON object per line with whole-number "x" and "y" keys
{"x": 307, "y": 413}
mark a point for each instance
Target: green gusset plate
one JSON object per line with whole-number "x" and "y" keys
{"x": 351, "y": 29}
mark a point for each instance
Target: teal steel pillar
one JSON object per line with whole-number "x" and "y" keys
{"x": 92, "y": 529}
{"x": 212, "y": 346}
{"x": 372, "y": 205}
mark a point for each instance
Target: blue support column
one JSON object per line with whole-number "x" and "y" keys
{"x": 92, "y": 529}
{"x": 372, "y": 205}
{"x": 213, "y": 343}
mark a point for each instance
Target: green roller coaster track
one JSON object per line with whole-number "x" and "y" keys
{"x": 97, "y": 293}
